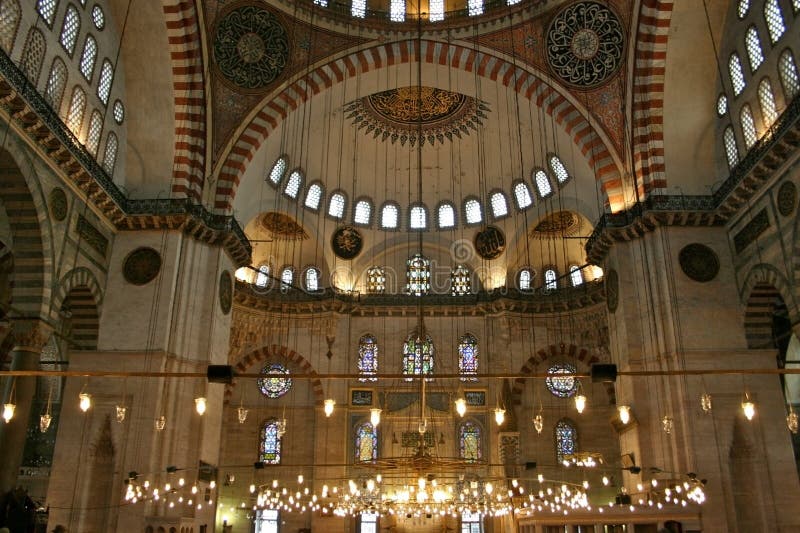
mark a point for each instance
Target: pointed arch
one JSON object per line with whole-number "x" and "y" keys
{"x": 765, "y": 291}
{"x": 79, "y": 294}
{"x": 261, "y": 354}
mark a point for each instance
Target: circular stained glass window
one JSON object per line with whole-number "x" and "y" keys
{"x": 274, "y": 386}
{"x": 561, "y": 386}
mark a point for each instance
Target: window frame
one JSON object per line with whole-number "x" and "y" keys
{"x": 531, "y": 194}
{"x": 371, "y": 216}
{"x": 300, "y": 187}
{"x": 553, "y": 175}
{"x": 272, "y": 421}
{"x": 322, "y": 196}
{"x": 454, "y": 210}
{"x": 277, "y": 184}
{"x": 368, "y": 274}
{"x": 545, "y": 283}
{"x": 518, "y": 279}
{"x": 67, "y": 12}
{"x": 492, "y": 194}
{"x": 370, "y": 375}
{"x": 426, "y": 223}
{"x": 344, "y": 196}
{"x": 535, "y": 182}
{"x": 575, "y": 438}
{"x": 464, "y": 203}
{"x": 286, "y": 287}
{"x": 397, "y": 220}
{"x": 316, "y": 269}
{"x": 788, "y": 96}
{"x": 752, "y": 31}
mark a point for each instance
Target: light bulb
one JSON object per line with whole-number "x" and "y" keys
{"x": 44, "y": 422}
{"x": 375, "y": 416}
{"x": 605, "y": 481}
{"x": 200, "y": 405}
{"x": 85, "y": 401}
{"x": 499, "y": 416}
{"x": 705, "y": 402}
{"x": 580, "y": 402}
{"x": 161, "y": 423}
{"x": 538, "y": 423}
{"x": 624, "y": 413}
{"x": 241, "y": 414}
{"x": 791, "y": 421}
{"x": 8, "y": 411}
{"x": 252, "y": 488}
{"x": 461, "y": 406}
{"x": 329, "y": 404}
{"x": 121, "y": 411}
{"x": 749, "y": 409}
{"x": 489, "y": 488}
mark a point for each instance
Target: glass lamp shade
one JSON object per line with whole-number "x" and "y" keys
{"x": 749, "y": 409}
{"x": 85, "y": 401}
{"x": 538, "y": 423}
{"x": 8, "y": 411}
{"x": 705, "y": 402}
{"x": 161, "y": 423}
{"x": 624, "y": 413}
{"x": 499, "y": 416}
{"x": 329, "y": 405}
{"x": 461, "y": 406}
{"x": 792, "y": 422}
{"x": 580, "y": 402}
{"x": 241, "y": 414}
{"x": 44, "y": 422}
{"x": 200, "y": 405}
{"x": 375, "y": 416}
{"x": 121, "y": 412}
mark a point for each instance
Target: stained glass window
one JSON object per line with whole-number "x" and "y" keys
{"x": 472, "y": 211}
{"x": 566, "y": 439}
{"x": 525, "y": 279}
{"x": 550, "y": 279}
{"x": 367, "y": 358}
{"x": 468, "y": 357}
{"x": 774, "y": 19}
{"x": 366, "y": 442}
{"x": 70, "y": 28}
{"x": 106, "y": 78}
{"x": 754, "y": 52}
{"x": 376, "y": 280}
{"x": 262, "y": 277}
{"x": 722, "y": 104}
{"x": 522, "y": 195}
{"x": 736, "y": 73}
{"x": 446, "y": 215}
{"x": 731, "y": 150}
{"x": 748, "y": 127}
{"x": 418, "y": 217}
{"x": 10, "y": 14}
{"x": 418, "y": 356}
{"x": 787, "y": 69}
{"x": 390, "y": 214}
{"x": 88, "y": 57}
{"x": 766, "y": 100}
{"x": 110, "y": 155}
{"x": 293, "y": 184}
{"x": 33, "y": 55}
{"x": 418, "y": 275}
{"x": 363, "y": 212}
{"x": 469, "y": 441}
{"x": 274, "y": 386}
{"x": 312, "y": 279}
{"x": 47, "y": 9}
{"x": 499, "y": 205}
{"x": 270, "y": 443}
{"x": 559, "y": 385}
{"x": 336, "y": 205}
{"x": 558, "y": 169}
{"x": 56, "y": 82}
{"x": 542, "y": 182}
{"x": 575, "y": 275}
{"x": 277, "y": 171}
{"x": 313, "y": 196}
{"x": 460, "y": 281}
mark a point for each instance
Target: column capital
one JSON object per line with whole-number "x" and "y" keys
{"x": 30, "y": 334}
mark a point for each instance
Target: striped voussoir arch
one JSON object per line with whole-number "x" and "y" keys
{"x": 488, "y": 66}
{"x": 764, "y": 291}
{"x": 275, "y": 351}
{"x": 564, "y": 351}
{"x": 649, "y": 67}
{"x": 80, "y": 294}
{"x": 185, "y": 48}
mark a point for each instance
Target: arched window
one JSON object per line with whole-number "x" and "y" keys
{"x": 575, "y": 275}
{"x": 110, "y": 155}
{"x": 566, "y": 439}
{"x": 418, "y": 356}
{"x": 722, "y": 105}
{"x": 363, "y": 212}
{"x": 10, "y": 14}
{"x": 418, "y": 275}
{"x": 522, "y": 195}
{"x": 337, "y": 205}
{"x": 98, "y": 16}
{"x": 266, "y": 520}
{"x": 468, "y": 357}
{"x": 753, "y": 45}
{"x": 277, "y": 171}
{"x": 367, "y": 358}
{"x": 499, "y": 205}
{"x": 559, "y": 385}
{"x": 262, "y": 277}
{"x": 460, "y": 281}
{"x": 70, "y": 29}
{"x": 766, "y": 100}
{"x": 287, "y": 277}
{"x": 293, "y": 184}
{"x": 56, "y": 82}
{"x": 744, "y": 7}
{"x": 77, "y": 107}
{"x": 736, "y": 74}
{"x": 543, "y": 186}
{"x": 472, "y": 211}
{"x": 774, "y": 19}
{"x": 95, "y": 129}
{"x": 436, "y": 8}
{"x": 748, "y": 126}
{"x": 558, "y": 169}
{"x": 33, "y": 55}
{"x": 274, "y": 386}
{"x": 312, "y": 279}
{"x": 525, "y": 279}
{"x": 270, "y": 451}
{"x": 731, "y": 150}
{"x": 47, "y": 10}
{"x": 787, "y": 69}
{"x": 314, "y": 196}
{"x": 418, "y": 217}
{"x": 358, "y": 8}
{"x": 390, "y": 215}
{"x": 106, "y": 79}
{"x": 550, "y": 279}
{"x": 445, "y": 216}
{"x": 469, "y": 441}
{"x": 366, "y": 444}
{"x": 397, "y": 10}
{"x": 376, "y": 280}
{"x": 88, "y": 57}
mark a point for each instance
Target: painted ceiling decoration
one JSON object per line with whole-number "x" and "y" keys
{"x": 558, "y": 224}
{"x": 585, "y": 44}
{"x": 283, "y": 227}
{"x": 397, "y": 114}
{"x": 251, "y": 48}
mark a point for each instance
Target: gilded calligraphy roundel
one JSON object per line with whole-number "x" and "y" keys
{"x": 585, "y": 44}
{"x": 251, "y": 48}
{"x": 141, "y": 266}
{"x": 490, "y": 243}
{"x": 347, "y": 242}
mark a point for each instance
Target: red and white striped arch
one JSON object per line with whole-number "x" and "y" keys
{"x": 592, "y": 144}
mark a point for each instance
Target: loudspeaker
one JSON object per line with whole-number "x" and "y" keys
{"x": 604, "y": 373}
{"x": 220, "y": 374}
{"x": 530, "y": 465}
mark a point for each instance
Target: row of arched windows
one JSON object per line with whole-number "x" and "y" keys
{"x": 31, "y": 63}
{"x": 397, "y": 9}
{"x": 771, "y": 16}
{"x": 310, "y": 280}
{"x": 418, "y": 218}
